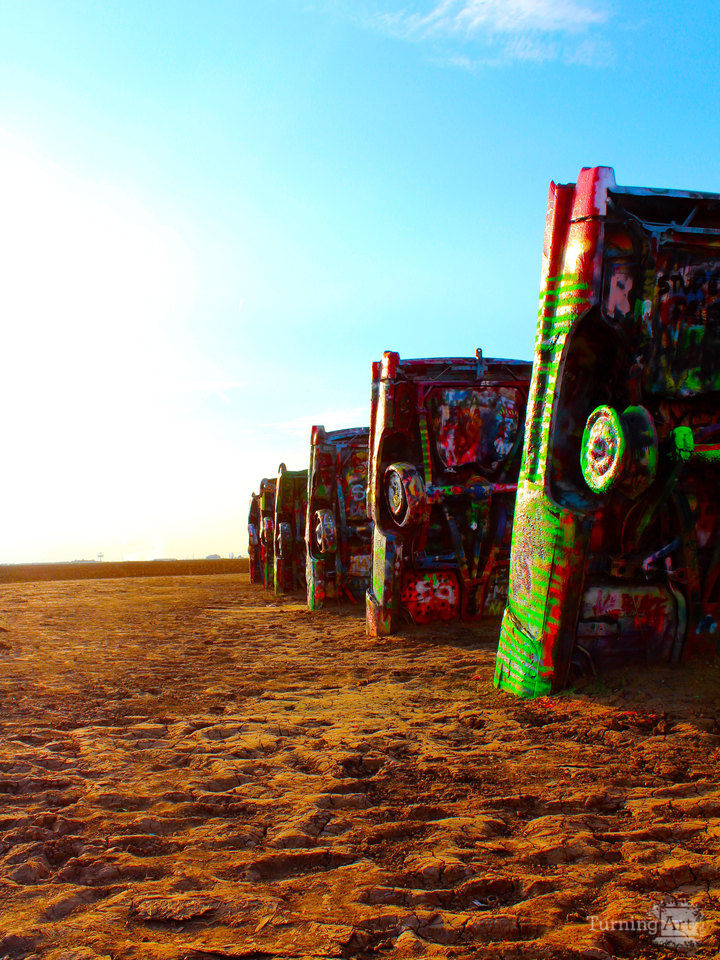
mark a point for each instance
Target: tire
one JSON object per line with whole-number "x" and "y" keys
{"x": 284, "y": 545}
{"x": 324, "y": 532}
{"x": 619, "y": 451}
{"x": 404, "y": 493}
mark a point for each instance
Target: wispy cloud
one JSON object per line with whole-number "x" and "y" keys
{"x": 468, "y": 18}
{"x": 468, "y": 34}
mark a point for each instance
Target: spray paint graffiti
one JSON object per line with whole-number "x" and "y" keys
{"x": 445, "y": 440}
{"x": 616, "y": 542}
{"x": 267, "y": 531}
{"x": 289, "y": 526}
{"x": 338, "y": 534}
{"x": 254, "y": 551}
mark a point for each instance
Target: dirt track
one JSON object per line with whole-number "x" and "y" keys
{"x": 191, "y": 768}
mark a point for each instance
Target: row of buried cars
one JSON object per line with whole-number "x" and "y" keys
{"x": 577, "y": 496}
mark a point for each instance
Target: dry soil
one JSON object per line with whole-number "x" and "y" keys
{"x": 192, "y": 768}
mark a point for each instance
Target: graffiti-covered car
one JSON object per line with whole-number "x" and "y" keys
{"x": 254, "y": 552}
{"x": 445, "y": 443}
{"x": 616, "y": 545}
{"x": 338, "y": 534}
{"x": 267, "y": 531}
{"x": 290, "y": 508}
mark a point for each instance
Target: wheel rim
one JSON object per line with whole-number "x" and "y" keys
{"x": 324, "y": 529}
{"x": 603, "y": 449}
{"x": 397, "y": 500}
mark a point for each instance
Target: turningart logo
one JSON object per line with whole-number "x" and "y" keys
{"x": 680, "y": 924}
{"x": 674, "y": 923}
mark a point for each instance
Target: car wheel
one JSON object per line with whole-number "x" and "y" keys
{"x": 266, "y": 531}
{"x": 324, "y": 532}
{"x": 284, "y": 541}
{"x": 619, "y": 450}
{"x": 404, "y": 494}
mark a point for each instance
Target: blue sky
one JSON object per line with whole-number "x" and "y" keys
{"x": 216, "y": 215}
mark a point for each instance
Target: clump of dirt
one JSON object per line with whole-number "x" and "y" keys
{"x": 192, "y": 768}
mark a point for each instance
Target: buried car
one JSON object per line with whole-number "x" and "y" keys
{"x": 616, "y": 543}
{"x": 267, "y": 531}
{"x": 338, "y": 534}
{"x": 290, "y": 508}
{"x": 445, "y": 442}
{"x": 254, "y": 551}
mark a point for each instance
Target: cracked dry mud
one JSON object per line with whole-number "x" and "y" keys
{"x": 190, "y": 768}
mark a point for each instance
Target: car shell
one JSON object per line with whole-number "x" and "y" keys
{"x": 267, "y": 531}
{"x": 289, "y": 548}
{"x": 338, "y": 533}
{"x": 254, "y": 549}
{"x": 616, "y": 543}
{"x": 445, "y": 441}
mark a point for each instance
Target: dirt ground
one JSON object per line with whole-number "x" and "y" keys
{"x": 191, "y": 768}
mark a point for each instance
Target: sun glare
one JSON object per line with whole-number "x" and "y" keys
{"x": 94, "y": 292}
